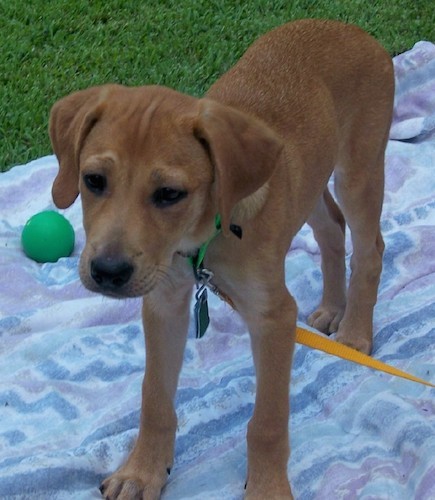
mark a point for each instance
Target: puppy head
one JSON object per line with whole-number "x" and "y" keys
{"x": 153, "y": 167}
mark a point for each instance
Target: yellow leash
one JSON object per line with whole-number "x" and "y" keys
{"x": 321, "y": 343}
{"x": 316, "y": 341}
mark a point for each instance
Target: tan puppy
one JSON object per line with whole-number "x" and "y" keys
{"x": 155, "y": 166}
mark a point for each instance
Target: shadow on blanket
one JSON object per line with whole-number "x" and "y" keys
{"x": 71, "y": 363}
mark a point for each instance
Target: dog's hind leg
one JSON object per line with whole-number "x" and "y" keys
{"x": 328, "y": 226}
{"x": 361, "y": 202}
{"x": 359, "y": 184}
{"x": 359, "y": 187}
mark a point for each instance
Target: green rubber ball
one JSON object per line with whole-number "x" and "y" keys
{"x": 47, "y": 236}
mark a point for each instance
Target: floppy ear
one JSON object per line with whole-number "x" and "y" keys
{"x": 243, "y": 151}
{"x": 71, "y": 120}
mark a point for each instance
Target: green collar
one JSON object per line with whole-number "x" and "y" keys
{"x": 197, "y": 260}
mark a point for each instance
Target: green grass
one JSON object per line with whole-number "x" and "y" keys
{"x": 49, "y": 49}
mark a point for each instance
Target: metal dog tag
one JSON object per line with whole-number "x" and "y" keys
{"x": 202, "y": 319}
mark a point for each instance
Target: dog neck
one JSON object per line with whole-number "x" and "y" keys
{"x": 245, "y": 210}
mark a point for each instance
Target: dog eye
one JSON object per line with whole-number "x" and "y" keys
{"x": 95, "y": 183}
{"x": 165, "y": 197}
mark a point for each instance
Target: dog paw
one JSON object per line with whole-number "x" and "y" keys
{"x": 358, "y": 343}
{"x": 326, "y": 319}
{"x": 125, "y": 486}
{"x": 259, "y": 495}
{"x": 278, "y": 489}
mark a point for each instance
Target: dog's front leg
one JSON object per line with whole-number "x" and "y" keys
{"x": 166, "y": 319}
{"x": 272, "y": 338}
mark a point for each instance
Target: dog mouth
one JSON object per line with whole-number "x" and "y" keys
{"x": 118, "y": 278}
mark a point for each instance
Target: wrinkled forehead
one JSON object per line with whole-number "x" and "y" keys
{"x": 143, "y": 121}
{"x": 135, "y": 120}
{"x": 147, "y": 130}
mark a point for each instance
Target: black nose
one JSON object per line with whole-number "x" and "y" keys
{"x": 111, "y": 273}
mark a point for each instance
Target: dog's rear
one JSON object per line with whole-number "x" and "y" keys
{"x": 155, "y": 166}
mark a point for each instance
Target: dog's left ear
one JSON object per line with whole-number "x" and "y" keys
{"x": 243, "y": 150}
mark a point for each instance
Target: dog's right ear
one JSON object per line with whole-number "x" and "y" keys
{"x": 71, "y": 120}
